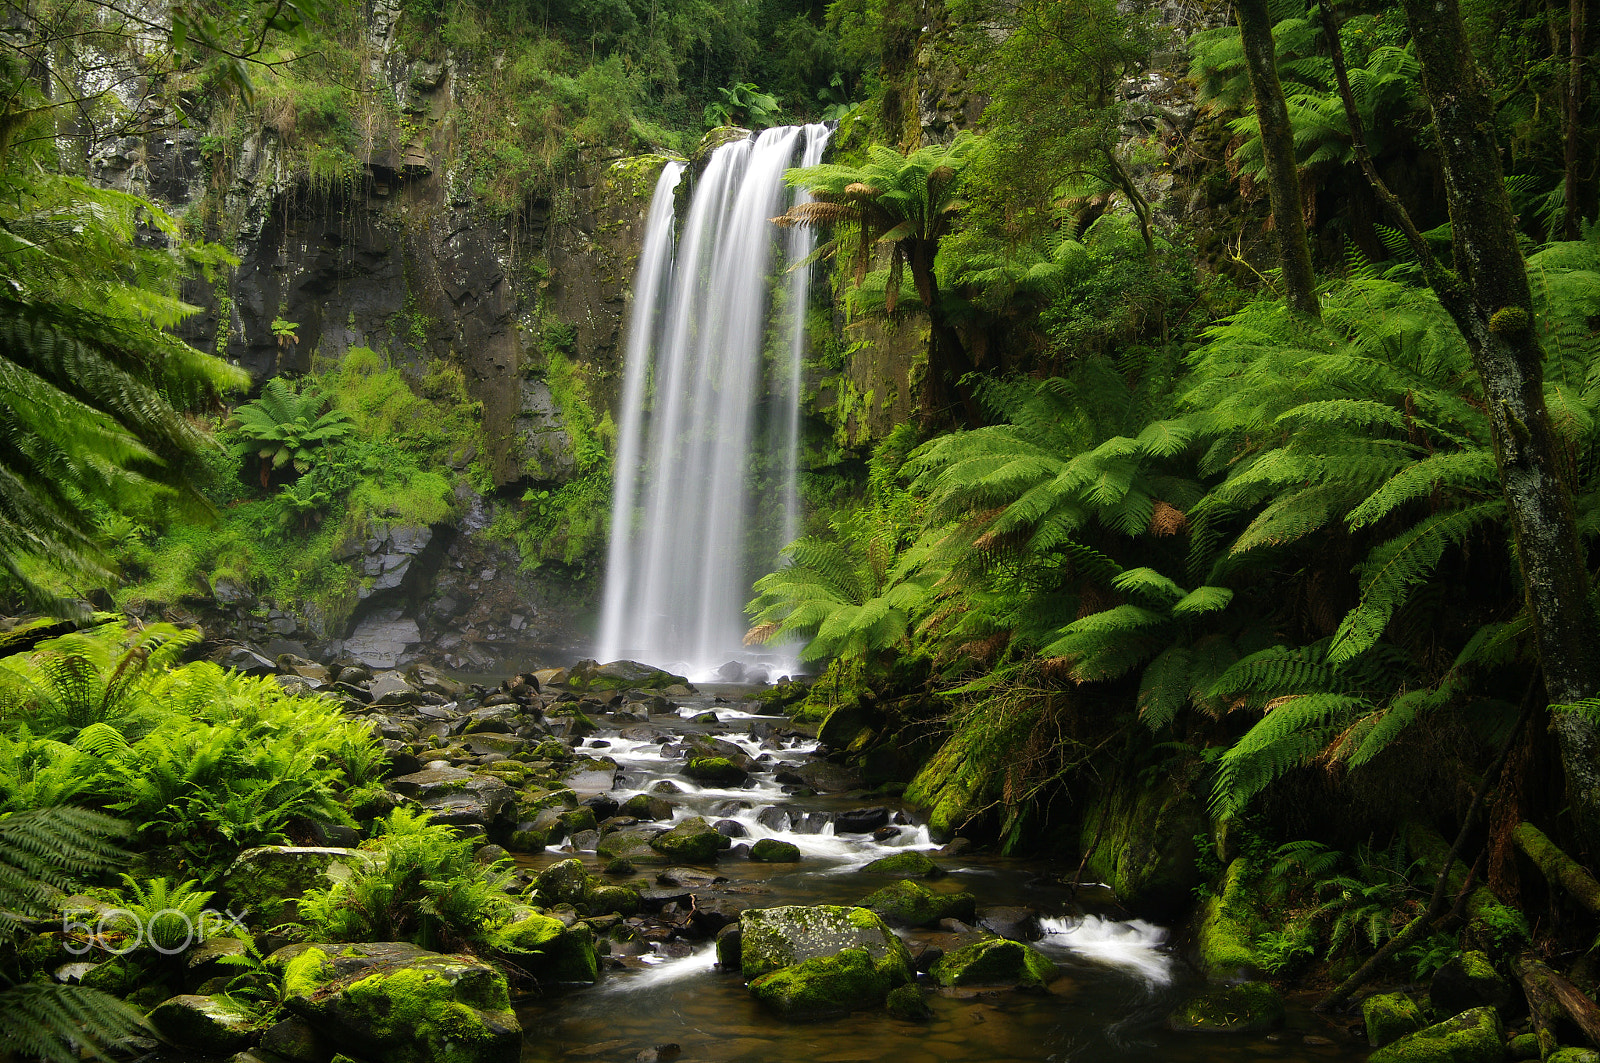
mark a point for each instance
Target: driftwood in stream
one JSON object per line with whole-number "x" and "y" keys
{"x": 1558, "y": 868}
{"x": 1550, "y": 997}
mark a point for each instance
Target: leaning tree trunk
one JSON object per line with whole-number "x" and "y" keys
{"x": 1489, "y": 299}
{"x": 1277, "y": 147}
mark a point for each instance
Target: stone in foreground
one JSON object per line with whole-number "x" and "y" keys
{"x": 1249, "y": 1007}
{"x": 995, "y": 962}
{"x": 1473, "y": 1036}
{"x": 266, "y": 881}
{"x": 402, "y": 1004}
{"x": 212, "y": 1025}
{"x": 1389, "y": 1017}
{"x": 773, "y": 938}
{"x": 829, "y": 985}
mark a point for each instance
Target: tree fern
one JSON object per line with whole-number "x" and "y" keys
{"x": 1293, "y": 731}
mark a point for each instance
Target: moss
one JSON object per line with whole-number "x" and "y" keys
{"x": 825, "y": 986}
{"x": 1510, "y": 321}
{"x": 422, "y": 1015}
{"x": 1142, "y": 841}
{"x": 1390, "y": 1016}
{"x": 907, "y": 1002}
{"x": 909, "y": 865}
{"x": 306, "y": 973}
{"x": 1573, "y": 1055}
{"x": 994, "y": 962}
{"x": 773, "y": 851}
{"x": 714, "y": 770}
{"x": 1231, "y": 924}
{"x": 1472, "y": 1037}
{"x": 619, "y": 899}
{"x": 1249, "y": 1007}
{"x": 693, "y": 840}
{"x": 909, "y": 903}
{"x": 532, "y": 933}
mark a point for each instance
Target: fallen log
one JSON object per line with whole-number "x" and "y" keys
{"x": 1550, "y": 996}
{"x": 1557, "y": 867}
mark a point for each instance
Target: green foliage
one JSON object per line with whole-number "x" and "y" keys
{"x": 744, "y": 105}
{"x": 158, "y": 913}
{"x": 286, "y": 425}
{"x": 423, "y": 886}
{"x": 204, "y": 760}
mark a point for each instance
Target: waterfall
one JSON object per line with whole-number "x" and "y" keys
{"x": 702, "y": 501}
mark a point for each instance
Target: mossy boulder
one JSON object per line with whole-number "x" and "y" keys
{"x": 1230, "y": 923}
{"x": 1140, "y": 842}
{"x": 402, "y": 1004}
{"x": 773, "y": 851}
{"x": 693, "y": 841}
{"x": 564, "y": 882}
{"x": 911, "y": 864}
{"x": 1389, "y": 1017}
{"x": 1574, "y": 1055}
{"x": 718, "y": 771}
{"x": 910, "y": 903}
{"x": 1249, "y": 1007}
{"x": 618, "y": 899}
{"x": 266, "y": 881}
{"x": 548, "y": 949}
{"x": 1523, "y": 1046}
{"x": 630, "y": 845}
{"x": 907, "y": 1002}
{"x": 1474, "y": 1036}
{"x": 773, "y": 938}
{"x": 1469, "y": 980}
{"x": 620, "y": 675}
{"x": 825, "y": 986}
{"x": 995, "y": 962}
{"x": 646, "y": 806}
{"x": 208, "y": 1025}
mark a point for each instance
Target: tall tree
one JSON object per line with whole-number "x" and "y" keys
{"x": 1488, "y": 296}
{"x": 905, "y": 205}
{"x": 1277, "y": 146}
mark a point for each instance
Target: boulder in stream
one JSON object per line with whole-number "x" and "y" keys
{"x": 396, "y": 1002}
{"x": 694, "y": 841}
{"x": 772, "y": 938}
{"x": 774, "y": 851}
{"x": 718, "y": 771}
{"x": 457, "y": 797}
{"x": 828, "y": 985}
{"x": 910, "y": 903}
{"x": 1389, "y": 1017}
{"x": 209, "y": 1025}
{"x": 548, "y": 949}
{"x": 1248, "y": 1007}
{"x": 912, "y": 864}
{"x": 995, "y": 962}
{"x": 1473, "y": 1036}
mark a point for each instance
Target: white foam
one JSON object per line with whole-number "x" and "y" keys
{"x": 664, "y": 972}
{"x": 1134, "y": 945}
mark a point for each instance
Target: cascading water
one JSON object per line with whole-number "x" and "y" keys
{"x": 687, "y": 539}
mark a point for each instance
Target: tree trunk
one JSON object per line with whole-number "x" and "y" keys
{"x": 1572, "y": 129}
{"x": 1557, "y": 867}
{"x": 1277, "y": 146}
{"x": 1489, "y": 299}
{"x": 1551, "y": 996}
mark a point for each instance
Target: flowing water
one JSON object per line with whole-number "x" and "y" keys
{"x": 1121, "y": 976}
{"x": 705, "y": 495}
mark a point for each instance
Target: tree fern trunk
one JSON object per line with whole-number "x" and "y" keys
{"x": 1490, "y": 301}
{"x": 1572, "y": 128}
{"x": 1277, "y": 145}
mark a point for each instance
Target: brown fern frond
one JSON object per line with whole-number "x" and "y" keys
{"x": 815, "y": 213}
{"x": 760, "y": 633}
{"x": 1167, "y": 519}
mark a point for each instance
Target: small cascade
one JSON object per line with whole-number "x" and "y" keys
{"x": 1134, "y": 945}
{"x": 709, "y": 428}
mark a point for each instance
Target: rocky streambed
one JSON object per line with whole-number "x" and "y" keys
{"x": 695, "y": 879}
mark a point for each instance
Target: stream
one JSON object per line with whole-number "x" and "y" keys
{"x": 1120, "y": 976}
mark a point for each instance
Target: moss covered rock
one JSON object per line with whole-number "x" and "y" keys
{"x": 907, "y": 1002}
{"x": 909, "y": 903}
{"x": 693, "y": 841}
{"x": 994, "y": 962}
{"x": 266, "y": 881}
{"x": 773, "y": 938}
{"x": 210, "y": 1025}
{"x": 1390, "y": 1016}
{"x": 548, "y": 949}
{"x": 773, "y": 851}
{"x": 1473, "y": 1036}
{"x": 1574, "y": 1055}
{"x": 564, "y": 882}
{"x": 1230, "y": 923}
{"x": 907, "y": 865}
{"x": 1249, "y": 1007}
{"x": 1141, "y": 842}
{"x": 718, "y": 771}
{"x": 646, "y": 806}
{"x": 828, "y": 985}
{"x": 618, "y": 899}
{"x": 1469, "y": 980}
{"x": 402, "y": 1004}
{"x": 630, "y": 845}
